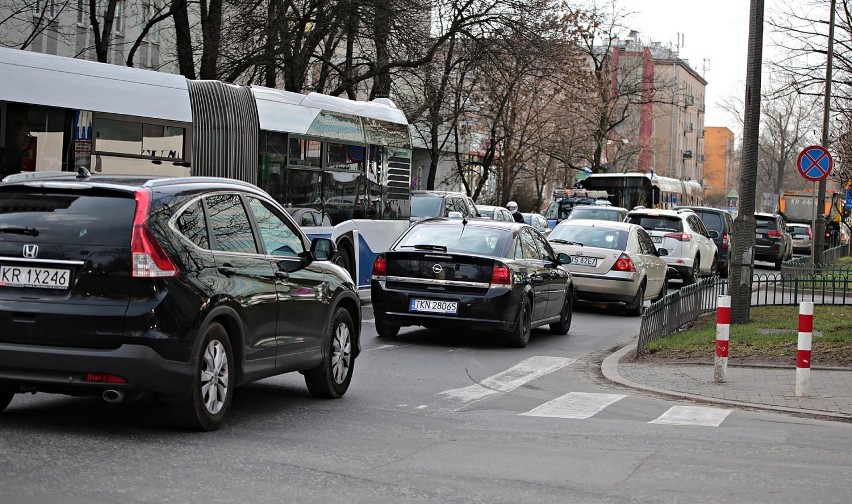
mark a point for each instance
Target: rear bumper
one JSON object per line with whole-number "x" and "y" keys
{"x": 496, "y": 309}
{"x": 605, "y": 289}
{"x": 770, "y": 253}
{"x": 63, "y": 370}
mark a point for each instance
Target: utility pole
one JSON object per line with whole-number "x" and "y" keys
{"x": 819, "y": 232}
{"x": 743, "y": 253}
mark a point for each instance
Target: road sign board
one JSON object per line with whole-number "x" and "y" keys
{"x": 848, "y": 202}
{"x": 814, "y": 163}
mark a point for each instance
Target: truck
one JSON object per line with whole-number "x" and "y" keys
{"x": 798, "y": 207}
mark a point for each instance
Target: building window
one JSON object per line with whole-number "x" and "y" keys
{"x": 44, "y": 9}
{"x": 82, "y": 12}
{"x": 149, "y": 12}
{"x": 118, "y": 19}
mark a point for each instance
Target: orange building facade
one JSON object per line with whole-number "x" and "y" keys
{"x": 718, "y": 160}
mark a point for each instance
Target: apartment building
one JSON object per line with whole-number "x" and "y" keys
{"x": 718, "y": 160}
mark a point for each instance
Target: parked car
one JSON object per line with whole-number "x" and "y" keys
{"x": 612, "y": 262}
{"x": 426, "y": 204}
{"x": 772, "y": 241}
{"x": 802, "y": 236}
{"x": 192, "y": 287}
{"x": 691, "y": 251}
{"x": 720, "y": 225}
{"x": 538, "y": 222}
{"x": 479, "y": 274}
{"x": 495, "y": 212}
{"x": 597, "y": 212}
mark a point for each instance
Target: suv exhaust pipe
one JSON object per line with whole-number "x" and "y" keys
{"x": 113, "y": 396}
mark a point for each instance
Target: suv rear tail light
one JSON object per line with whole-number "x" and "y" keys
{"x": 810, "y": 233}
{"x": 624, "y": 263}
{"x": 684, "y": 237}
{"x": 380, "y": 268}
{"x": 501, "y": 274}
{"x": 726, "y": 241}
{"x": 104, "y": 378}
{"x": 774, "y": 234}
{"x": 149, "y": 258}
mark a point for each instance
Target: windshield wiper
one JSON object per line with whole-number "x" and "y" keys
{"x": 565, "y": 242}
{"x": 19, "y": 230}
{"x": 434, "y": 248}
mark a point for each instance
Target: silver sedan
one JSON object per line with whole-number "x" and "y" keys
{"x": 612, "y": 262}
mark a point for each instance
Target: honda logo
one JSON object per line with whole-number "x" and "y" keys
{"x": 30, "y": 251}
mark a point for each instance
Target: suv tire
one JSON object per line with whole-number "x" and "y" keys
{"x": 331, "y": 378}
{"x": 5, "y": 398}
{"x": 692, "y": 275}
{"x": 213, "y": 382}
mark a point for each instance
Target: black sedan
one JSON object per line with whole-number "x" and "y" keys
{"x": 498, "y": 276}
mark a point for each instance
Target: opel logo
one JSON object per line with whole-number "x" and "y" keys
{"x": 30, "y": 251}
{"x": 437, "y": 269}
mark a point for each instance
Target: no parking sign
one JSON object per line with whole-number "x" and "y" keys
{"x": 815, "y": 163}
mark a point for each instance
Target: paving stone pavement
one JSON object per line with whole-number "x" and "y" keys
{"x": 761, "y": 387}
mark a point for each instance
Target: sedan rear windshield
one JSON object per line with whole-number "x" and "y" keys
{"x": 427, "y": 206}
{"x": 799, "y": 231}
{"x": 66, "y": 218}
{"x": 657, "y": 222}
{"x": 589, "y": 236}
{"x": 458, "y": 239}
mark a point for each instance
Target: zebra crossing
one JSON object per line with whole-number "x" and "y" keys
{"x": 572, "y": 405}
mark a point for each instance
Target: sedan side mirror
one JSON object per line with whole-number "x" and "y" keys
{"x": 563, "y": 258}
{"x": 662, "y": 252}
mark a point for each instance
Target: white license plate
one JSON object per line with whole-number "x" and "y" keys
{"x": 26, "y": 276}
{"x": 584, "y": 261}
{"x": 657, "y": 239}
{"x": 433, "y": 306}
{"x": 758, "y": 236}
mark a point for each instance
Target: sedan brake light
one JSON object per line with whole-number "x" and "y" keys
{"x": 684, "y": 237}
{"x": 501, "y": 274}
{"x": 624, "y": 263}
{"x": 149, "y": 258}
{"x": 380, "y": 267}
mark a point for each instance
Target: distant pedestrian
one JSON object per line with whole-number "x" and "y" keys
{"x": 513, "y": 207}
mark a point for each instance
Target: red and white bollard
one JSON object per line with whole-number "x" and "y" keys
{"x": 803, "y": 355}
{"x": 723, "y": 333}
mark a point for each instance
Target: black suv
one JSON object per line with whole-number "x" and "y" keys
{"x": 180, "y": 288}
{"x": 772, "y": 242}
{"x": 720, "y": 221}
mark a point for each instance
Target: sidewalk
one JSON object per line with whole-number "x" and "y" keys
{"x": 770, "y": 388}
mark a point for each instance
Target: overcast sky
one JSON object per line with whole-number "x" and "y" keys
{"x": 716, "y": 30}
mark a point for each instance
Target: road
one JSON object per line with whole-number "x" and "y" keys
{"x": 439, "y": 417}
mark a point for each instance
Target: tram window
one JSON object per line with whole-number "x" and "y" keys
{"x": 138, "y": 139}
{"x": 305, "y": 152}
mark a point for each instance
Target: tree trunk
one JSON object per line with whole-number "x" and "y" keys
{"x": 183, "y": 40}
{"x": 211, "y": 29}
{"x": 742, "y": 260}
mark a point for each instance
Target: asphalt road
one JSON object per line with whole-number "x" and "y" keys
{"x": 440, "y": 417}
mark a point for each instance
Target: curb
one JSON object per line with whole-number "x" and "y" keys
{"x": 609, "y": 369}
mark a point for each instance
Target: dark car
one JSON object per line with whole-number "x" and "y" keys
{"x": 772, "y": 241}
{"x": 482, "y": 274}
{"x": 183, "y": 289}
{"x": 425, "y": 204}
{"x": 720, "y": 221}
{"x": 308, "y": 216}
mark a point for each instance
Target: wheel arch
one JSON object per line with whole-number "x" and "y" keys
{"x": 230, "y": 320}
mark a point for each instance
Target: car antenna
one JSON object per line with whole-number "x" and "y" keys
{"x": 82, "y": 172}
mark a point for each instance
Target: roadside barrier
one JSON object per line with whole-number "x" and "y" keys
{"x": 803, "y": 354}
{"x": 723, "y": 333}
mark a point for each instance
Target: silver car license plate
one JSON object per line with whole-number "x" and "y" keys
{"x": 433, "y": 306}
{"x": 43, "y": 278}
{"x": 657, "y": 239}
{"x": 584, "y": 261}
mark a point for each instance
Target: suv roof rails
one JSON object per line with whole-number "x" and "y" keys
{"x": 195, "y": 180}
{"x": 41, "y": 175}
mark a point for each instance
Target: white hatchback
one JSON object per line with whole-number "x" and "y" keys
{"x": 691, "y": 250}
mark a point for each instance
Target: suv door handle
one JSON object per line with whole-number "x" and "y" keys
{"x": 227, "y": 270}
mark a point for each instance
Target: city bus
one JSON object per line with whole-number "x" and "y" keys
{"x": 631, "y": 190}
{"x": 346, "y": 163}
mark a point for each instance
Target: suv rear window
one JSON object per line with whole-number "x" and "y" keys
{"x": 68, "y": 218}
{"x": 657, "y": 222}
{"x": 712, "y": 221}
{"x": 764, "y": 222}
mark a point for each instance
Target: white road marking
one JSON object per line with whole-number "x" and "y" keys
{"x": 422, "y": 406}
{"x": 507, "y": 381}
{"x": 577, "y": 405}
{"x": 693, "y": 415}
{"x": 369, "y": 321}
{"x": 380, "y": 347}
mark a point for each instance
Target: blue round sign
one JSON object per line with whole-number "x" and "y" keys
{"x": 815, "y": 163}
